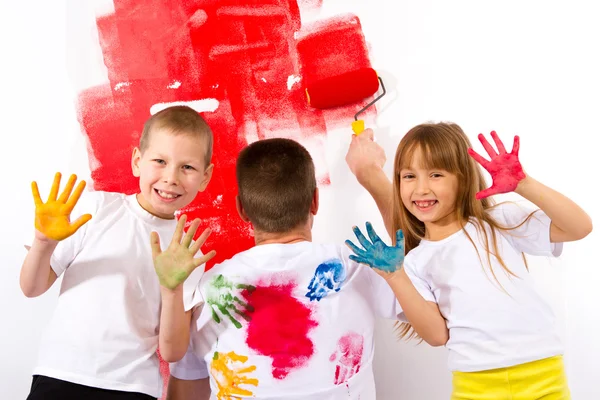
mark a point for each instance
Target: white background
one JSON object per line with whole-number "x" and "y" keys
{"x": 520, "y": 67}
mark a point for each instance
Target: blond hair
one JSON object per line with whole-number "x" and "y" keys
{"x": 179, "y": 120}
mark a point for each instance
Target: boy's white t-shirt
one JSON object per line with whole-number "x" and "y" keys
{"x": 491, "y": 325}
{"x": 104, "y": 330}
{"x": 291, "y": 321}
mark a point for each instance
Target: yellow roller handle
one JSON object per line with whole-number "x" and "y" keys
{"x": 358, "y": 126}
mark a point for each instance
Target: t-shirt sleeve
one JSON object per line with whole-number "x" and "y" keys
{"x": 531, "y": 233}
{"x": 418, "y": 282}
{"x": 67, "y": 249}
{"x": 190, "y": 367}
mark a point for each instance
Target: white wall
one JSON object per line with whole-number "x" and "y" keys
{"x": 520, "y": 67}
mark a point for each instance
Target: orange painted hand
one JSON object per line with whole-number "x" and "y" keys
{"x": 228, "y": 371}
{"x": 177, "y": 262}
{"x": 52, "y": 218}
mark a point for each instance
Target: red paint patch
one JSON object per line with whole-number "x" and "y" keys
{"x": 245, "y": 55}
{"x": 279, "y": 327}
{"x": 349, "y": 354}
{"x": 240, "y": 54}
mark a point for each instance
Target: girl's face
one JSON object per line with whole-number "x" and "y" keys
{"x": 430, "y": 195}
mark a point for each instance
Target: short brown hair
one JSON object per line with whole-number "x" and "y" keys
{"x": 179, "y": 120}
{"x": 276, "y": 183}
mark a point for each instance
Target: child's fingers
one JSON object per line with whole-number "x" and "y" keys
{"x": 204, "y": 259}
{"x": 200, "y": 242}
{"x": 399, "y": 238}
{"x": 37, "y": 200}
{"x": 371, "y": 232}
{"x": 64, "y": 196}
{"x": 74, "y": 198}
{"x": 361, "y": 238}
{"x": 189, "y": 236}
{"x": 484, "y": 163}
{"x": 499, "y": 144}
{"x": 487, "y": 193}
{"x": 487, "y": 146}
{"x": 179, "y": 230}
{"x": 516, "y": 145}
{"x": 79, "y": 222}
{"x": 360, "y": 260}
{"x": 155, "y": 244}
{"x": 356, "y": 249}
{"x": 55, "y": 186}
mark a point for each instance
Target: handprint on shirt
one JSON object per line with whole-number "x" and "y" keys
{"x": 228, "y": 371}
{"x": 328, "y": 277}
{"x": 349, "y": 353}
{"x": 220, "y": 295}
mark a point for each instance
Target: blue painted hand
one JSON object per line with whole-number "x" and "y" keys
{"x": 376, "y": 253}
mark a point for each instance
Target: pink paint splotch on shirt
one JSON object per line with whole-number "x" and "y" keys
{"x": 279, "y": 327}
{"x": 348, "y": 355}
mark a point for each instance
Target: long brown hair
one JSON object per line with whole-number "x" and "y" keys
{"x": 444, "y": 146}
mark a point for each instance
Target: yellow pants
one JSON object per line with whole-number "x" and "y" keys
{"x": 538, "y": 380}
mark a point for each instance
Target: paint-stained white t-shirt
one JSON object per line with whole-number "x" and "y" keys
{"x": 492, "y": 324}
{"x": 291, "y": 321}
{"x": 104, "y": 330}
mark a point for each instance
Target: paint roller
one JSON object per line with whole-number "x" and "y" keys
{"x": 345, "y": 89}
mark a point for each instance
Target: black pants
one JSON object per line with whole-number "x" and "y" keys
{"x": 45, "y": 388}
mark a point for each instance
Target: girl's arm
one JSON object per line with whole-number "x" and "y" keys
{"x": 366, "y": 160}
{"x": 569, "y": 221}
{"x": 424, "y": 316}
{"x": 388, "y": 261}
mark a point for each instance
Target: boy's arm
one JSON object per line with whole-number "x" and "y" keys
{"x": 180, "y": 389}
{"x": 366, "y": 160}
{"x": 52, "y": 224}
{"x": 36, "y": 274}
{"x": 174, "y": 334}
{"x": 173, "y": 266}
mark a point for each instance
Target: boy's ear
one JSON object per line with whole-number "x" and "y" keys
{"x": 136, "y": 156}
{"x": 240, "y": 209}
{"x": 314, "y": 206}
{"x": 207, "y": 175}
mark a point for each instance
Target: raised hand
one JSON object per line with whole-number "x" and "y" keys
{"x": 177, "y": 262}
{"x": 382, "y": 258}
{"x": 52, "y": 218}
{"x": 505, "y": 168}
{"x": 364, "y": 154}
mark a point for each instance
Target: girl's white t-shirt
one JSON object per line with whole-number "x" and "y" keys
{"x": 492, "y": 323}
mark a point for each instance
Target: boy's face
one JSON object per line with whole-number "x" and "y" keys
{"x": 171, "y": 171}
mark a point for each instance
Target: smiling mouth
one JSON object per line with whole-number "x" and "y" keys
{"x": 167, "y": 195}
{"x": 425, "y": 204}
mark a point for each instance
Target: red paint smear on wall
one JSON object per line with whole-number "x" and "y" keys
{"x": 242, "y": 53}
{"x": 279, "y": 327}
